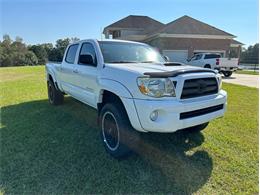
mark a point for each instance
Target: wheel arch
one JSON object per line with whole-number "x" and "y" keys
{"x": 107, "y": 96}
{"x": 207, "y": 66}
{"x": 113, "y": 91}
{"x": 50, "y": 76}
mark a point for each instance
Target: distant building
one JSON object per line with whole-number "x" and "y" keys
{"x": 178, "y": 39}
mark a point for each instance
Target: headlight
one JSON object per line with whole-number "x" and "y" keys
{"x": 219, "y": 77}
{"x": 156, "y": 87}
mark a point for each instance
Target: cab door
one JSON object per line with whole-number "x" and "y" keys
{"x": 67, "y": 71}
{"x": 196, "y": 60}
{"x": 85, "y": 78}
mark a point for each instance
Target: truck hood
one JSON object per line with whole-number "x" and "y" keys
{"x": 141, "y": 68}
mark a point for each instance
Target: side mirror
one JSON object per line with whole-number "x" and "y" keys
{"x": 86, "y": 59}
{"x": 167, "y": 59}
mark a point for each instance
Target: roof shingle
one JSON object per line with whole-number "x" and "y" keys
{"x": 144, "y": 23}
{"x": 188, "y": 25}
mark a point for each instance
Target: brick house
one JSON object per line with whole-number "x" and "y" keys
{"x": 179, "y": 39}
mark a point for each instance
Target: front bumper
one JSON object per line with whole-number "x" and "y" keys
{"x": 169, "y": 112}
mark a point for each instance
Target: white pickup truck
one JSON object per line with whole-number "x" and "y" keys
{"x": 225, "y": 66}
{"x": 135, "y": 90}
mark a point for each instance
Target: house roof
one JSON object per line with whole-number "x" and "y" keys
{"x": 235, "y": 42}
{"x": 184, "y": 25}
{"x": 144, "y": 23}
{"x": 191, "y": 26}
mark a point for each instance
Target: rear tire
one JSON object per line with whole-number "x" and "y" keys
{"x": 55, "y": 95}
{"x": 118, "y": 136}
{"x": 207, "y": 66}
{"x": 197, "y": 128}
{"x": 227, "y": 73}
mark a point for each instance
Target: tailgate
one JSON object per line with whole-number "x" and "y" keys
{"x": 228, "y": 62}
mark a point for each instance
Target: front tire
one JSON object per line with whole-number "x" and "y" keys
{"x": 55, "y": 96}
{"x": 207, "y": 66}
{"x": 118, "y": 136}
{"x": 227, "y": 73}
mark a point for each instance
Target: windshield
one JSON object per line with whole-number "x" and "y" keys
{"x": 123, "y": 52}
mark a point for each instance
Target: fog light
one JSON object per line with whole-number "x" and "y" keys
{"x": 154, "y": 115}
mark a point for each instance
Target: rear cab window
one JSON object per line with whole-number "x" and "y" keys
{"x": 212, "y": 56}
{"x": 71, "y": 53}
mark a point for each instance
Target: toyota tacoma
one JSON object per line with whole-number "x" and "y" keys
{"x": 134, "y": 89}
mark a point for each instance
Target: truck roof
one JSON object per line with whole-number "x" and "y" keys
{"x": 108, "y": 40}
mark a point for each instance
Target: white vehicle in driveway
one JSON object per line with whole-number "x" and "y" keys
{"x": 213, "y": 61}
{"x": 135, "y": 90}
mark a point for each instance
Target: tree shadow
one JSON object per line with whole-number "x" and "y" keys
{"x": 47, "y": 149}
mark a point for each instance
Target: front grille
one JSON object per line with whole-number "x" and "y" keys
{"x": 200, "y": 112}
{"x": 199, "y": 87}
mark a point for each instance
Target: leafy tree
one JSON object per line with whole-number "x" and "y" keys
{"x": 40, "y": 52}
{"x": 7, "y": 40}
{"x": 30, "y": 58}
{"x": 55, "y": 55}
{"x": 17, "y": 53}
{"x": 61, "y": 45}
{"x": 6, "y": 51}
{"x": 251, "y": 54}
{"x": 74, "y": 39}
{"x": 48, "y": 47}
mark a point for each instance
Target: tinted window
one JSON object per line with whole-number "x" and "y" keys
{"x": 212, "y": 56}
{"x": 88, "y": 49}
{"x": 71, "y": 54}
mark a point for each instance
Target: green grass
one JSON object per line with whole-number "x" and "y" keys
{"x": 247, "y": 72}
{"x": 58, "y": 150}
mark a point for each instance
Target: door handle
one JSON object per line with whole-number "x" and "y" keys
{"x": 75, "y": 71}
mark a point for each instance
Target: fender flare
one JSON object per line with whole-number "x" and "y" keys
{"x": 51, "y": 73}
{"x": 125, "y": 96}
{"x": 113, "y": 86}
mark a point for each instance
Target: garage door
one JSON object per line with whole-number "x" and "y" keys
{"x": 176, "y": 55}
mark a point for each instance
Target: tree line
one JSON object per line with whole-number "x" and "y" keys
{"x": 17, "y": 53}
{"x": 250, "y": 55}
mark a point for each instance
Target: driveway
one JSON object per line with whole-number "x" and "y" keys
{"x": 243, "y": 79}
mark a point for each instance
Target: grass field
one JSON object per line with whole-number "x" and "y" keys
{"x": 58, "y": 150}
{"x": 247, "y": 72}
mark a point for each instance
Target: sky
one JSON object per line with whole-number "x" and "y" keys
{"x": 42, "y": 21}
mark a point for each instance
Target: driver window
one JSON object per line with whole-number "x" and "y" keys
{"x": 193, "y": 58}
{"x": 196, "y": 57}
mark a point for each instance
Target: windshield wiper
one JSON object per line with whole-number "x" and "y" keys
{"x": 120, "y": 62}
